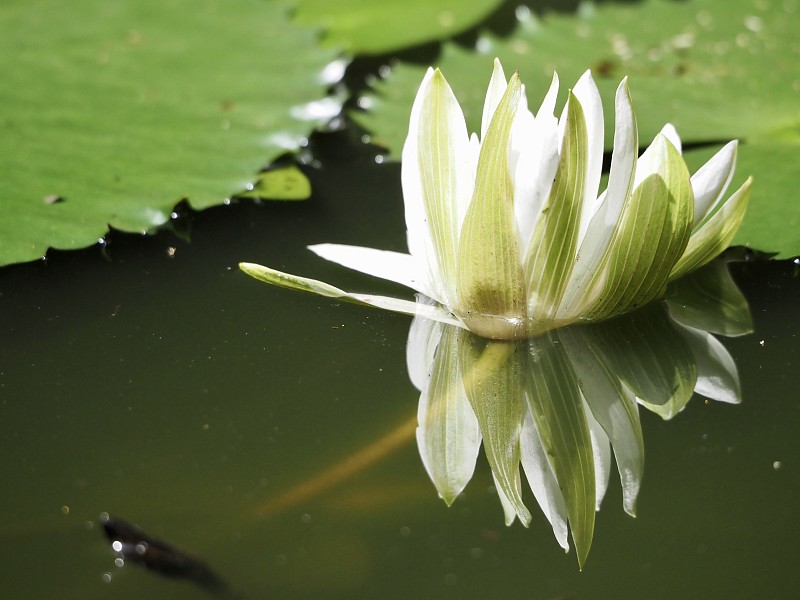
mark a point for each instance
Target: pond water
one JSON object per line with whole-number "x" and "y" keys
{"x": 153, "y": 381}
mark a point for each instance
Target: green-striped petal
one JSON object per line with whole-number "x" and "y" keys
{"x": 494, "y": 386}
{"x": 491, "y": 294}
{"x": 314, "y": 286}
{"x": 716, "y": 233}
{"x": 448, "y": 435}
{"x": 652, "y": 235}
{"x": 551, "y": 251}
{"x": 557, "y": 407}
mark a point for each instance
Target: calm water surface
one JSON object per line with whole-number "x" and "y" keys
{"x": 155, "y": 382}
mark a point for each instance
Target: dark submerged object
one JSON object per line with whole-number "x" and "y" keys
{"x": 132, "y": 544}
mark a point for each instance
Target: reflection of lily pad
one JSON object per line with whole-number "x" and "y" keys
{"x": 716, "y": 69}
{"x": 370, "y": 27}
{"x": 282, "y": 183}
{"x": 121, "y": 109}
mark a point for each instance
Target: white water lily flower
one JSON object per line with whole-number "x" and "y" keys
{"x": 507, "y": 232}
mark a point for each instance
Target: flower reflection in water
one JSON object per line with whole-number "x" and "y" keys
{"x": 561, "y": 403}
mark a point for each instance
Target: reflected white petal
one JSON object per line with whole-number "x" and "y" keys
{"x": 717, "y": 376}
{"x": 601, "y": 449}
{"x": 542, "y": 481}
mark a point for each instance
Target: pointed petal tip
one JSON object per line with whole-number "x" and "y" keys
{"x": 248, "y": 267}
{"x": 448, "y": 499}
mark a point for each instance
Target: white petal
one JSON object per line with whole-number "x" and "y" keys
{"x": 604, "y": 221}
{"x": 712, "y": 179}
{"x": 497, "y": 87}
{"x": 548, "y": 108}
{"x": 509, "y": 512}
{"x": 589, "y": 97}
{"x": 535, "y": 141}
{"x": 521, "y": 132}
{"x": 437, "y": 313}
{"x": 473, "y": 152}
{"x": 394, "y": 266}
{"x": 671, "y": 134}
{"x": 542, "y": 481}
{"x": 652, "y": 159}
{"x": 413, "y": 199}
{"x": 436, "y": 180}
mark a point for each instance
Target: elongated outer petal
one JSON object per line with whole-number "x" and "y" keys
{"x": 712, "y": 179}
{"x": 604, "y": 221}
{"x": 394, "y": 266}
{"x": 653, "y": 233}
{"x": 542, "y": 481}
{"x": 314, "y": 286}
{"x": 436, "y": 181}
{"x": 448, "y": 436}
{"x": 494, "y": 93}
{"x": 716, "y": 233}
{"x": 535, "y": 143}
{"x": 491, "y": 296}
{"x": 589, "y": 97}
{"x": 418, "y": 234}
{"x": 551, "y": 250}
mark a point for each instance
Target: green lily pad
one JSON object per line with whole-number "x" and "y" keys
{"x": 716, "y": 69}
{"x": 369, "y": 27}
{"x": 115, "y": 111}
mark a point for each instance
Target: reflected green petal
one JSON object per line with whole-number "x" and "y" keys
{"x": 649, "y": 356}
{"x": 494, "y": 388}
{"x": 612, "y": 405}
{"x": 708, "y": 299}
{"x": 556, "y": 404}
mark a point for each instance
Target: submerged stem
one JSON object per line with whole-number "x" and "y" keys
{"x": 494, "y": 355}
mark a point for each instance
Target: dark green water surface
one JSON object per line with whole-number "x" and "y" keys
{"x": 154, "y": 381}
